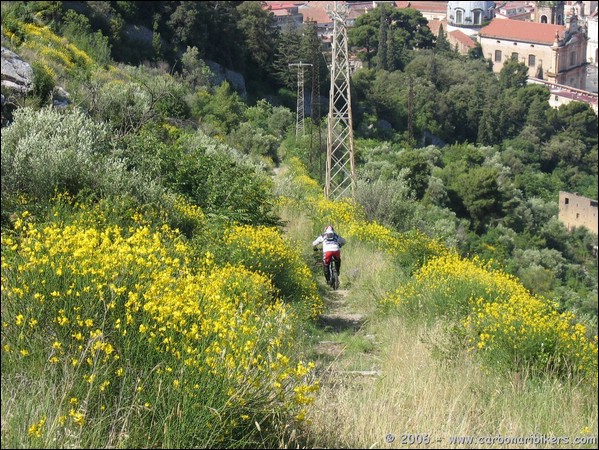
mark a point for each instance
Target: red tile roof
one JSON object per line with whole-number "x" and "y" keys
{"x": 323, "y": 4}
{"x": 318, "y": 15}
{"x": 516, "y": 30}
{"x": 439, "y": 7}
{"x": 277, "y": 6}
{"x": 462, "y": 38}
{"x": 434, "y": 26}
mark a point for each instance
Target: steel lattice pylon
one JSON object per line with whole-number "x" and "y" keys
{"x": 340, "y": 170}
{"x": 299, "y": 122}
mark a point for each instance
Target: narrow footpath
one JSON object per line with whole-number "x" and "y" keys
{"x": 345, "y": 350}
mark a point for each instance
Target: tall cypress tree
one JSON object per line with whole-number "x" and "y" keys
{"x": 288, "y": 52}
{"x": 382, "y": 50}
{"x": 442, "y": 42}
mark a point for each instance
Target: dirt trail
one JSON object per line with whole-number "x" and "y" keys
{"x": 346, "y": 348}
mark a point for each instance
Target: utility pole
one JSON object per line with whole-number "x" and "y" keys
{"x": 299, "y": 122}
{"x": 410, "y": 112}
{"x": 340, "y": 171}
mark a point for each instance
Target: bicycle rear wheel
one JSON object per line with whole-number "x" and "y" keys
{"x": 334, "y": 275}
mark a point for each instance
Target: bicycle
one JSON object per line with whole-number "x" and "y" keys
{"x": 333, "y": 269}
{"x": 333, "y": 273}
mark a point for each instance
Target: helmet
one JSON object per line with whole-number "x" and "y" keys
{"x": 329, "y": 232}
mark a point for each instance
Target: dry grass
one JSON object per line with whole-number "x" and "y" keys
{"x": 418, "y": 395}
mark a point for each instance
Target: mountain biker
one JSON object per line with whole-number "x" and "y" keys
{"x": 331, "y": 246}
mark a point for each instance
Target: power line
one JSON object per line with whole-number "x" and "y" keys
{"x": 299, "y": 122}
{"x": 340, "y": 170}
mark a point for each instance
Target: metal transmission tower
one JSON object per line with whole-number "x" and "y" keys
{"x": 340, "y": 171}
{"x": 299, "y": 122}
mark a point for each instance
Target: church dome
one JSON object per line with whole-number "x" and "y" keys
{"x": 469, "y": 14}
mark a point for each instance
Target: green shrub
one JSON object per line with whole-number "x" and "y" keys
{"x": 266, "y": 251}
{"x": 47, "y": 151}
{"x": 43, "y": 82}
{"x": 224, "y": 183}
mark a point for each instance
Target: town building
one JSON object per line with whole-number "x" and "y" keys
{"x": 587, "y": 16}
{"x": 562, "y": 95}
{"x": 470, "y": 14}
{"x": 592, "y": 54}
{"x": 515, "y": 11}
{"x": 287, "y": 15}
{"x": 577, "y": 211}
{"x": 587, "y": 7}
{"x": 430, "y": 10}
{"x": 554, "y": 53}
{"x": 549, "y": 12}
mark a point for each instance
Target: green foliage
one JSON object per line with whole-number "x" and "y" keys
{"x": 513, "y": 74}
{"x": 223, "y": 109}
{"x": 267, "y": 251}
{"x": 287, "y": 52}
{"x": 212, "y": 27}
{"x": 377, "y": 98}
{"x": 418, "y": 164}
{"x": 195, "y": 72}
{"x": 579, "y": 121}
{"x": 195, "y": 182}
{"x": 46, "y": 151}
{"x": 78, "y": 29}
{"x": 218, "y": 179}
{"x": 365, "y": 35}
{"x": 146, "y": 98}
{"x": 253, "y": 141}
{"x": 480, "y": 194}
{"x": 275, "y": 120}
{"x": 539, "y": 269}
{"x": 126, "y": 107}
{"x": 442, "y": 44}
{"x": 170, "y": 97}
{"x": 259, "y": 35}
{"x": 261, "y": 135}
{"x": 43, "y": 83}
{"x": 476, "y": 52}
{"x": 386, "y": 31}
{"x": 14, "y": 14}
{"x": 388, "y": 202}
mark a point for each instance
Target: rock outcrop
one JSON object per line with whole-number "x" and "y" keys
{"x": 17, "y": 75}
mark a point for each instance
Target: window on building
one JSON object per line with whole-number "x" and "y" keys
{"x": 566, "y": 201}
{"x": 572, "y": 58}
{"x": 532, "y": 60}
{"x": 543, "y": 19}
{"x": 459, "y": 16}
{"x": 478, "y": 17}
{"x": 497, "y": 55}
{"x": 515, "y": 56}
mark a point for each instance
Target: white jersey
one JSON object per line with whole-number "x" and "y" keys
{"x": 331, "y": 245}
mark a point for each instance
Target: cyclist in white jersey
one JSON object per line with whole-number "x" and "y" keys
{"x": 331, "y": 247}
